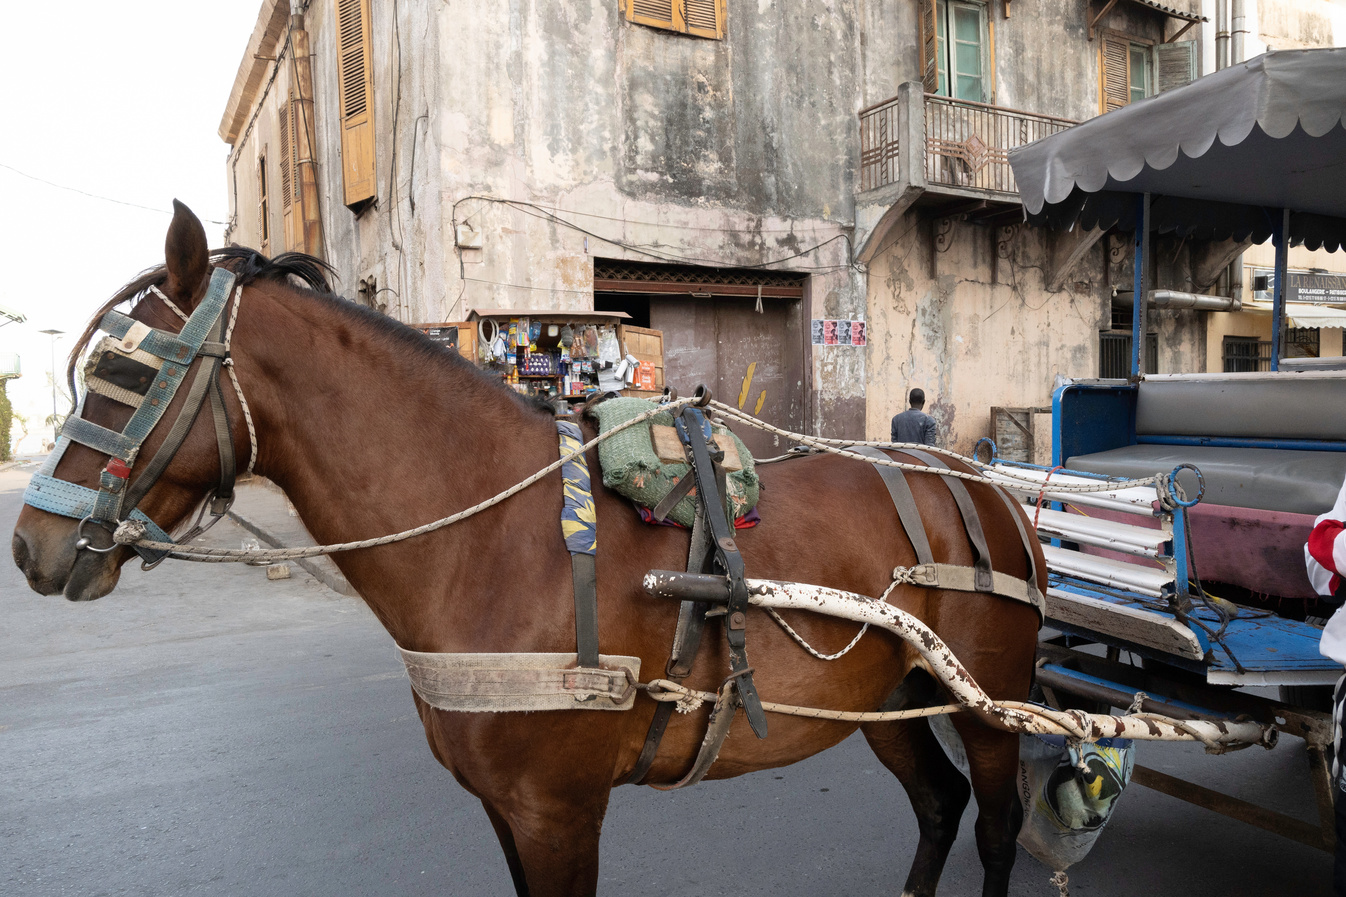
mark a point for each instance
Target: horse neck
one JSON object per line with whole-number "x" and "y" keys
{"x": 368, "y": 435}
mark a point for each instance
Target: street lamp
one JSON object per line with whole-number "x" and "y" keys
{"x": 53, "y": 334}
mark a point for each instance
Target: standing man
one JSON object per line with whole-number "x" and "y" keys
{"x": 1325, "y": 557}
{"x": 914, "y": 425}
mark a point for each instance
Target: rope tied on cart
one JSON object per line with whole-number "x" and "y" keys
{"x": 134, "y": 533}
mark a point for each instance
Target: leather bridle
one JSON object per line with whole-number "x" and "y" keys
{"x": 144, "y": 367}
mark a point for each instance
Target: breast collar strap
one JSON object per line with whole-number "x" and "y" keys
{"x": 115, "y": 500}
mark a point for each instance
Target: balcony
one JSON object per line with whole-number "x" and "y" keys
{"x": 919, "y": 147}
{"x": 9, "y": 366}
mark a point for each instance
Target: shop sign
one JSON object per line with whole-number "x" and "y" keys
{"x": 1316, "y": 289}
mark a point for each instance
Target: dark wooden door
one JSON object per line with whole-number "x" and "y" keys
{"x": 752, "y": 360}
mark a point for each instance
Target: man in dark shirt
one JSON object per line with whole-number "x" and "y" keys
{"x": 914, "y": 425}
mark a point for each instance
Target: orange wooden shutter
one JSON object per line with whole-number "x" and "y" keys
{"x": 287, "y": 179}
{"x": 929, "y": 46}
{"x": 1115, "y": 58}
{"x": 704, "y": 18}
{"x": 355, "y": 73}
{"x": 657, "y": 13}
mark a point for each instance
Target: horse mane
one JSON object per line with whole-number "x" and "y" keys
{"x": 303, "y": 273}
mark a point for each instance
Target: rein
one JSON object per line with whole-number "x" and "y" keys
{"x": 144, "y": 367}
{"x": 132, "y": 531}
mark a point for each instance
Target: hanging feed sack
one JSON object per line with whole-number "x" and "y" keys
{"x": 1065, "y": 808}
{"x": 635, "y": 467}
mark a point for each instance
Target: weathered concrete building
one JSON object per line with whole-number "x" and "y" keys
{"x": 749, "y": 177}
{"x": 694, "y": 170}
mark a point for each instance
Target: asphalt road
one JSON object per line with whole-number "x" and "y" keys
{"x": 204, "y": 731}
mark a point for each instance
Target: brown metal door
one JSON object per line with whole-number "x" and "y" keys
{"x": 751, "y": 360}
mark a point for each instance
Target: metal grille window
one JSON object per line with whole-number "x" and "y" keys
{"x": 1302, "y": 342}
{"x": 1245, "y": 354}
{"x": 1114, "y": 355}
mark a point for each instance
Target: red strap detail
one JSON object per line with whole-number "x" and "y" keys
{"x": 1041, "y": 491}
{"x": 117, "y": 467}
{"x": 1321, "y": 541}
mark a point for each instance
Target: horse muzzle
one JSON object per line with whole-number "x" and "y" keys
{"x": 44, "y": 547}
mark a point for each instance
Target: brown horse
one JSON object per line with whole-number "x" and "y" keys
{"x": 371, "y": 429}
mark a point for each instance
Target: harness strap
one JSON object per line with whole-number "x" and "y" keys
{"x": 113, "y": 391}
{"x": 981, "y": 562}
{"x": 900, "y": 491}
{"x": 579, "y": 526}
{"x": 100, "y": 439}
{"x": 964, "y": 579}
{"x": 46, "y": 493}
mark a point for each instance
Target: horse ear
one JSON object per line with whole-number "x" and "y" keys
{"x": 185, "y": 253}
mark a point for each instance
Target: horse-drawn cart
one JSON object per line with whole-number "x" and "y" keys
{"x": 1253, "y": 152}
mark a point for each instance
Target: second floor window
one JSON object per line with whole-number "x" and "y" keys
{"x": 955, "y": 49}
{"x": 1134, "y": 68}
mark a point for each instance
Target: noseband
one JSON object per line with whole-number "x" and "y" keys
{"x": 143, "y": 367}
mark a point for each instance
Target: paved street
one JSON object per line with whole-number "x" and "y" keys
{"x": 203, "y": 731}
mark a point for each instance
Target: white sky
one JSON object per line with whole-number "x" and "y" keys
{"x": 117, "y": 99}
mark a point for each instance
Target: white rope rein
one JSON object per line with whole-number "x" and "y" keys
{"x": 131, "y": 532}
{"x": 233, "y": 378}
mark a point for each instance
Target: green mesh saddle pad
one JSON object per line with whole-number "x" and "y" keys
{"x": 632, "y": 466}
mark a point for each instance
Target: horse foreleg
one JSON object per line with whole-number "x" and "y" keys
{"x": 550, "y": 840}
{"x": 511, "y": 850}
{"x": 937, "y": 791}
{"x": 993, "y": 759}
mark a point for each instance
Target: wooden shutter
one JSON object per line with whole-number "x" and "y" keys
{"x": 1174, "y": 65}
{"x": 655, "y": 13}
{"x": 1115, "y": 59}
{"x": 356, "y": 77}
{"x": 263, "y": 206}
{"x": 704, "y": 18}
{"x": 287, "y": 178}
{"x": 929, "y": 46}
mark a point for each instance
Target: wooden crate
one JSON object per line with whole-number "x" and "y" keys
{"x": 1012, "y": 429}
{"x": 648, "y": 347}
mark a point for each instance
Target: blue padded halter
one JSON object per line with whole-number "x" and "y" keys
{"x": 178, "y": 350}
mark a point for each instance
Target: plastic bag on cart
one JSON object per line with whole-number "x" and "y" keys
{"x": 1066, "y": 808}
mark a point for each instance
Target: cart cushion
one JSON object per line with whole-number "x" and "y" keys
{"x": 1299, "y": 482}
{"x": 1238, "y": 406}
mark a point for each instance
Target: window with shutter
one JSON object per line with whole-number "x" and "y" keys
{"x": 1133, "y": 68}
{"x": 355, "y": 80}
{"x": 954, "y": 42}
{"x": 287, "y": 171}
{"x": 263, "y": 207}
{"x": 1115, "y": 51}
{"x": 1174, "y": 65}
{"x": 699, "y": 18}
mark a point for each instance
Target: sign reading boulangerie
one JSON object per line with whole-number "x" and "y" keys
{"x": 1319, "y": 289}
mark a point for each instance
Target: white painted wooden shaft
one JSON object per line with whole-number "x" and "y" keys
{"x": 1106, "y": 571}
{"x": 1012, "y": 716}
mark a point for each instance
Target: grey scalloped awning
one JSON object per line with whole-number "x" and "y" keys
{"x": 1220, "y": 156}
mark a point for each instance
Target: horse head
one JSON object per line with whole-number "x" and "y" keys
{"x": 134, "y": 446}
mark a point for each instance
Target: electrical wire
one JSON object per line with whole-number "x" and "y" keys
{"x": 120, "y": 202}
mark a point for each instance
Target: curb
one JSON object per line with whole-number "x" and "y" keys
{"x": 325, "y": 573}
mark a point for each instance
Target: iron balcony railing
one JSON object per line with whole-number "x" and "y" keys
{"x": 967, "y": 144}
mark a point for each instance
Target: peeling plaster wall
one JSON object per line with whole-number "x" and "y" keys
{"x": 565, "y": 132}
{"x": 977, "y": 331}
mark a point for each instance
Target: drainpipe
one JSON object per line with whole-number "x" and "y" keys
{"x": 305, "y": 149}
{"x": 1238, "y": 28}
{"x": 1221, "y": 34}
{"x": 1176, "y": 299}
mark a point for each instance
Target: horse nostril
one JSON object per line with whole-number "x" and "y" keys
{"x": 21, "y": 556}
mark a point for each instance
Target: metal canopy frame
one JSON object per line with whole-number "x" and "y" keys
{"x": 1254, "y": 151}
